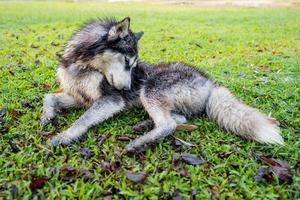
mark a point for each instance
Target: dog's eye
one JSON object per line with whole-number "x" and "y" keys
{"x": 126, "y": 61}
{"x": 127, "y": 66}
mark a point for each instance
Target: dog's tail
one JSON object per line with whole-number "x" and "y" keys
{"x": 241, "y": 119}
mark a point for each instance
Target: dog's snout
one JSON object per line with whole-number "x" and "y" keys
{"x": 127, "y": 87}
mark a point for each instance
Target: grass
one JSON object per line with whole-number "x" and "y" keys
{"x": 253, "y": 52}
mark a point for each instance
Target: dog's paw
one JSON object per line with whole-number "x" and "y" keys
{"x": 60, "y": 139}
{"x": 45, "y": 120}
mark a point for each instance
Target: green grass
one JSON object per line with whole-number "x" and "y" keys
{"x": 253, "y": 52}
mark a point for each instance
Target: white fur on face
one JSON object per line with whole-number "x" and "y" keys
{"x": 113, "y": 66}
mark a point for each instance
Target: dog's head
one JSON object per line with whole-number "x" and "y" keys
{"x": 122, "y": 55}
{"x": 108, "y": 46}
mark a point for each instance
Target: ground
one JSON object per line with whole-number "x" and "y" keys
{"x": 253, "y": 52}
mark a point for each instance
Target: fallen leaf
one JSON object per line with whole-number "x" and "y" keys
{"x": 177, "y": 195}
{"x": 184, "y": 173}
{"x": 186, "y": 127}
{"x": 194, "y": 193}
{"x": 85, "y": 152}
{"x": 136, "y": 177}
{"x": 102, "y": 138}
{"x": 38, "y": 182}
{"x": 37, "y": 62}
{"x": 176, "y": 161}
{"x": 198, "y": 45}
{"x": 223, "y": 155}
{"x": 27, "y": 104}
{"x": 2, "y": 113}
{"x": 108, "y": 197}
{"x": 14, "y": 191}
{"x": 298, "y": 163}
{"x": 202, "y": 154}
{"x": 67, "y": 173}
{"x": 54, "y": 44}
{"x": 179, "y": 141}
{"x": 14, "y": 147}
{"x": 105, "y": 167}
{"x": 263, "y": 173}
{"x": 123, "y": 138}
{"x": 192, "y": 160}
{"x": 214, "y": 191}
{"x": 34, "y": 46}
{"x": 45, "y": 87}
{"x": 16, "y": 114}
{"x": 242, "y": 75}
{"x": 144, "y": 126}
{"x": 34, "y": 84}
{"x": 61, "y": 90}
{"x": 87, "y": 175}
{"x": 235, "y": 166}
{"x": 280, "y": 168}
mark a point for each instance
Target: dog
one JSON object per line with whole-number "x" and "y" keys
{"x": 100, "y": 70}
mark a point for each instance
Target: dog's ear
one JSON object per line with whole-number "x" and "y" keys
{"x": 138, "y": 35}
{"x": 120, "y": 30}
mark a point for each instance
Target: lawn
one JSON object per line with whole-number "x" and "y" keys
{"x": 253, "y": 52}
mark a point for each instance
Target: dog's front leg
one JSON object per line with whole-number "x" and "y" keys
{"x": 101, "y": 110}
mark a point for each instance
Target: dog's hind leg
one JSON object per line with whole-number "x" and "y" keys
{"x": 148, "y": 124}
{"x": 101, "y": 110}
{"x": 55, "y": 102}
{"x": 163, "y": 121}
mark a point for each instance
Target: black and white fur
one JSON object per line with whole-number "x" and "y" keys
{"x": 100, "y": 70}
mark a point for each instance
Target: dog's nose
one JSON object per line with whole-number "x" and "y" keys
{"x": 127, "y": 87}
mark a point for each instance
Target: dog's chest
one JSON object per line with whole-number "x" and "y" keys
{"x": 83, "y": 86}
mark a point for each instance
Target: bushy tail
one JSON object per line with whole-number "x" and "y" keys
{"x": 241, "y": 119}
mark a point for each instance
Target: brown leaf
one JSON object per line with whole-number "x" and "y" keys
{"x": 280, "y": 168}
{"x": 54, "y": 44}
{"x": 87, "y": 175}
{"x": 108, "y": 197}
{"x": 37, "y": 62}
{"x": 136, "y": 177}
{"x": 45, "y": 87}
{"x": 176, "y": 161}
{"x": 223, "y": 155}
{"x": 184, "y": 173}
{"x": 192, "y": 160}
{"x": 38, "y": 182}
{"x": 144, "y": 126}
{"x": 102, "y": 138}
{"x": 61, "y": 90}
{"x": 67, "y": 173}
{"x": 16, "y": 114}
{"x": 105, "y": 167}
{"x": 34, "y": 46}
{"x": 263, "y": 173}
{"x": 186, "y": 127}
{"x": 123, "y": 138}
{"x": 214, "y": 191}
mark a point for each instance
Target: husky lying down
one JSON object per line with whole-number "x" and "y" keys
{"x": 100, "y": 70}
